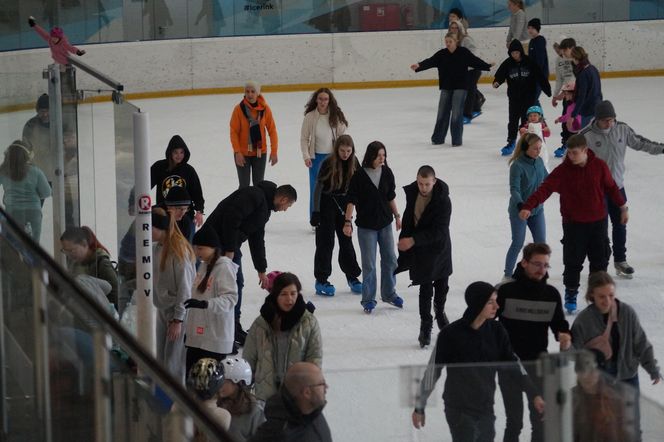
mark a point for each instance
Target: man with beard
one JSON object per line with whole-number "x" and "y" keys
{"x": 528, "y": 308}
{"x": 296, "y": 412}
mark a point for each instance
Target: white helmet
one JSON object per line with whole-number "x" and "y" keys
{"x": 236, "y": 370}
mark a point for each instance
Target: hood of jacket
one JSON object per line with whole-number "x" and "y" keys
{"x": 516, "y": 45}
{"x": 175, "y": 143}
{"x": 270, "y": 190}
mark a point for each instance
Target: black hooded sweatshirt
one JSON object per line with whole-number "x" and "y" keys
{"x": 182, "y": 175}
{"x": 527, "y": 309}
{"x": 242, "y": 216}
{"x": 521, "y": 76}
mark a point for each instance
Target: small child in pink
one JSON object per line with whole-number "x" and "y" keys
{"x": 573, "y": 124}
{"x": 57, "y": 41}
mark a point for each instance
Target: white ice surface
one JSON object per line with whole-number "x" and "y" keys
{"x": 362, "y": 352}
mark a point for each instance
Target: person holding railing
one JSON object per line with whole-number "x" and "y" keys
{"x": 57, "y": 42}
{"x": 25, "y": 188}
{"x": 469, "y": 391}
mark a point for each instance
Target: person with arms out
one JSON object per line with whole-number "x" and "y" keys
{"x": 295, "y": 413}
{"x": 57, "y": 43}
{"x": 210, "y": 324}
{"x": 87, "y": 256}
{"x": 609, "y": 139}
{"x": 583, "y": 182}
{"x": 236, "y": 397}
{"x": 251, "y": 123}
{"x": 469, "y": 390}
{"x": 522, "y": 76}
{"x": 528, "y": 308}
{"x": 372, "y": 191}
{"x": 452, "y": 64}
{"x": 612, "y": 327}
{"x": 241, "y": 217}
{"x": 330, "y": 201}
{"x": 284, "y": 333}
{"x": 174, "y": 272}
{"x": 175, "y": 171}
{"x": 425, "y": 248}
{"x": 527, "y": 172}
{"x": 25, "y": 188}
{"x": 323, "y": 123}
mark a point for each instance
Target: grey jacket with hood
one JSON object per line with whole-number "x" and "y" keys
{"x": 611, "y": 144}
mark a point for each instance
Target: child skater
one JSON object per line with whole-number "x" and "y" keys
{"x": 57, "y": 42}
{"x": 210, "y": 322}
{"x": 236, "y": 397}
{"x": 535, "y": 124}
{"x": 570, "y": 124}
{"x": 564, "y": 75}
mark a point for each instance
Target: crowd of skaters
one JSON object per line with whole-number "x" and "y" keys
{"x": 198, "y": 267}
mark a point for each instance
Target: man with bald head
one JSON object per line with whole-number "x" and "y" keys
{"x": 296, "y": 412}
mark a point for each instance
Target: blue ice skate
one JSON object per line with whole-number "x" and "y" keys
{"x": 570, "y": 301}
{"x": 369, "y": 307}
{"x": 560, "y": 152}
{"x": 396, "y": 301}
{"x": 355, "y": 286}
{"x": 324, "y": 288}
{"x": 508, "y": 149}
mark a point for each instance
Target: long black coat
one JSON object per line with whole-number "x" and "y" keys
{"x": 431, "y": 257}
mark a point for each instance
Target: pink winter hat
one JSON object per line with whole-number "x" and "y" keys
{"x": 57, "y": 32}
{"x": 270, "y": 279}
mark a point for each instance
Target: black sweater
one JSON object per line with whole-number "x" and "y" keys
{"x": 528, "y": 309}
{"x": 372, "y": 203}
{"x": 242, "y": 216}
{"x": 453, "y": 67}
{"x": 521, "y": 76}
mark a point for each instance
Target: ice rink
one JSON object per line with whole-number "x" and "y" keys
{"x": 366, "y": 350}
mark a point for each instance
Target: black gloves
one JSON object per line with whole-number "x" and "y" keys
{"x": 315, "y": 219}
{"x": 519, "y": 206}
{"x": 31, "y": 21}
{"x": 79, "y": 52}
{"x": 195, "y": 303}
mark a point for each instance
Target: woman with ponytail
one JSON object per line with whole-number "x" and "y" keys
{"x": 87, "y": 256}
{"x": 25, "y": 188}
{"x": 210, "y": 325}
{"x": 174, "y": 271}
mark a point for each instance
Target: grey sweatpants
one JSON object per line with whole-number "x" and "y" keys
{"x": 171, "y": 354}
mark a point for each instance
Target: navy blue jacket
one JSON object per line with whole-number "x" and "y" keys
{"x": 588, "y": 90}
{"x": 537, "y": 52}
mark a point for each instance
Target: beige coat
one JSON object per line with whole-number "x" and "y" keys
{"x": 308, "y": 134}
{"x": 304, "y": 345}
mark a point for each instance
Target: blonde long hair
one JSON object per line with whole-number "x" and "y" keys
{"x": 174, "y": 242}
{"x": 527, "y": 140}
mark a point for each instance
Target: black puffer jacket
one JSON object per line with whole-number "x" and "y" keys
{"x": 242, "y": 216}
{"x": 182, "y": 175}
{"x": 431, "y": 257}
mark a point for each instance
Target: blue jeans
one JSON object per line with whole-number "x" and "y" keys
{"x": 451, "y": 101}
{"x": 537, "y": 227}
{"x": 313, "y": 174}
{"x": 466, "y": 427}
{"x": 618, "y": 230}
{"x": 368, "y": 239}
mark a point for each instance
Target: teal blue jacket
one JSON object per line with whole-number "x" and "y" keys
{"x": 526, "y": 174}
{"x": 27, "y": 193}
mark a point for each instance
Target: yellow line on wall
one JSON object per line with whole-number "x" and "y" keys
{"x": 389, "y": 84}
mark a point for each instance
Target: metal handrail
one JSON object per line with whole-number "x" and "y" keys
{"x": 116, "y": 85}
{"x": 77, "y": 300}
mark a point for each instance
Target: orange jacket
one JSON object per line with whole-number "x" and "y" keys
{"x": 240, "y": 128}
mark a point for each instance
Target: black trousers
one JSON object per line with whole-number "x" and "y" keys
{"x": 564, "y": 133}
{"x": 517, "y": 116}
{"x": 512, "y": 393}
{"x": 331, "y": 223}
{"x": 438, "y": 290}
{"x": 472, "y": 97}
{"x": 581, "y": 240}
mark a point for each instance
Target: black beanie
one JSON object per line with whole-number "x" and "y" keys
{"x": 535, "y": 23}
{"x": 161, "y": 222}
{"x": 42, "y": 102}
{"x": 604, "y": 109}
{"x": 206, "y": 236}
{"x": 177, "y": 196}
{"x": 477, "y": 295}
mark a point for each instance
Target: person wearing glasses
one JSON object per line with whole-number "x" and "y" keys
{"x": 285, "y": 332}
{"x": 528, "y": 308}
{"x": 296, "y": 411}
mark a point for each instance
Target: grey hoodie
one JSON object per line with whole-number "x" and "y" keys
{"x": 172, "y": 285}
{"x": 611, "y": 146}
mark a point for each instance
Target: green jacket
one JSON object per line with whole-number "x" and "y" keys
{"x": 260, "y": 350}
{"x": 102, "y": 268}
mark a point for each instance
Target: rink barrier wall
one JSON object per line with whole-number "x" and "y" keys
{"x": 169, "y": 68}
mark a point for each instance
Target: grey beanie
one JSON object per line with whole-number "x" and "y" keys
{"x": 253, "y": 84}
{"x": 604, "y": 109}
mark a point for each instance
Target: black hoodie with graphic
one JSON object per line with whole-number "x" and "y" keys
{"x": 182, "y": 175}
{"x": 522, "y": 76}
